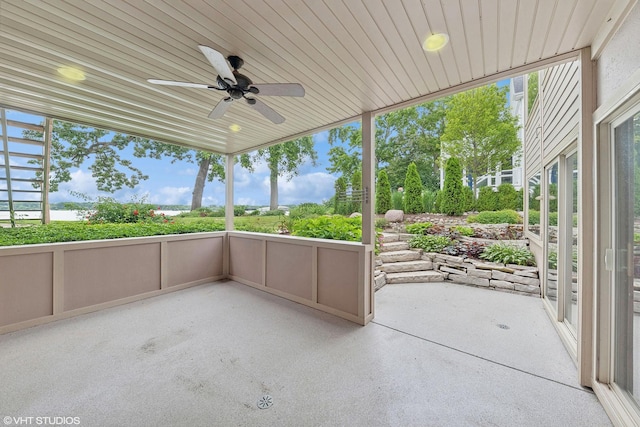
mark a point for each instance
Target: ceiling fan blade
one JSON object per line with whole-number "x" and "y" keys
{"x": 221, "y": 108}
{"x": 185, "y": 84}
{"x": 219, "y": 63}
{"x": 280, "y": 89}
{"x": 266, "y": 111}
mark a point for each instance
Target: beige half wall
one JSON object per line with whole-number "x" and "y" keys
{"x": 47, "y": 282}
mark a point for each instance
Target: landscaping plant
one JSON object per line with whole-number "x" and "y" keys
{"x": 383, "y": 193}
{"x": 397, "y": 200}
{"x": 507, "y": 254}
{"x": 419, "y": 227}
{"x": 487, "y": 199}
{"x": 508, "y": 197}
{"x": 329, "y": 227}
{"x": 453, "y": 198}
{"x": 430, "y": 243}
{"x": 413, "y": 191}
{"x": 498, "y": 217}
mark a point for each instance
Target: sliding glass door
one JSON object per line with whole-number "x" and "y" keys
{"x": 623, "y": 259}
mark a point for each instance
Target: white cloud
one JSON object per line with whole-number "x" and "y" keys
{"x": 171, "y": 196}
{"x": 81, "y": 182}
{"x": 312, "y": 187}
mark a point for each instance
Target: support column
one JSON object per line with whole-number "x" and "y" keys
{"x": 368, "y": 178}
{"x": 367, "y": 293}
{"x": 586, "y": 219}
{"x": 228, "y": 199}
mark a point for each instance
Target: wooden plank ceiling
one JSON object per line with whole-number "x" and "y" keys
{"x": 351, "y": 56}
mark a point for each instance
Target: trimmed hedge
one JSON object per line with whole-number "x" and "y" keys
{"x": 496, "y": 217}
{"x": 74, "y": 231}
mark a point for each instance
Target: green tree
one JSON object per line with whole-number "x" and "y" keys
{"x": 383, "y": 193}
{"x": 340, "y": 186}
{"x": 401, "y": 137}
{"x": 73, "y": 145}
{"x": 283, "y": 160}
{"x": 480, "y": 130}
{"x": 453, "y": 198}
{"x": 412, "y": 190}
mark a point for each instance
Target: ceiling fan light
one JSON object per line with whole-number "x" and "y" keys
{"x": 72, "y": 73}
{"x": 435, "y": 42}
{"x": 235, "y": 127}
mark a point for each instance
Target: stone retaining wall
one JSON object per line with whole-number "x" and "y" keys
{"x": 510, "y": 277}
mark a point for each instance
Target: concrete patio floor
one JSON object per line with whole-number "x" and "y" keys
{"x": 434, "y": 356}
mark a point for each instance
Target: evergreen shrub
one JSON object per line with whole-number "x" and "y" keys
{"x": 487, "y": 200}
{"x": 383, "y": 193}
{"x": 413, "y": 190}
{"x": 453, "y": 199}
{"x": 507, "y": 197}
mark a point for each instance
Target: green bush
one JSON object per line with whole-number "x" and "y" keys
{"x": 496, "y": 217}
{"x": 552, "y": 260}
{"x": 520, "y": 206}
{"x": 429, "y": 201}
{"x": 397, "y": 200}
{"x": 506, "y": 254}
{"x": 553, "y": 218}
{"x": 108, "y": 210}
{"x": 437, "y": 208}
{"x": 463, "y": 230}
{"x": 453, "y": 198}
{"x": 306, "y": 210}
{"x": 76, "y": 231}
{"x": 413, "y": 190}
{"x": 239, "y": 210}
{"x": 275, "y": 212}
{"x": 383, "y": 193}
{"x": 469, "y": 199}
{"x": 419, "y": 227}
{"x": 534, "y": 217}
{"x": 487, "y": 199}
{"x": 381, "y": 223}
{"x": 430, "y": 243}
{"x": 508, "y": 197}
{"x": 329, "y": 227}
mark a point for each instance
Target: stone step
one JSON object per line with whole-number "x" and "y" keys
{"x": 394, "y": 246}
{"x": 398, "y": 256}
{"x": 389, "y": 237}
{"x": 403, "y": 266}
{"x": 414, "y": 277}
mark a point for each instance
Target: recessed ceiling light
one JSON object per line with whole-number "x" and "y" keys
{"x": 435, "y": 42}
{"x": 234, "y": 128}
{"x": 72, "y": 73}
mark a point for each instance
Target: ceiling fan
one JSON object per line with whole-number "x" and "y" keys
{"x": 238, "y": 86}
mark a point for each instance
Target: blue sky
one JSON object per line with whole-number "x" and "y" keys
{"x": 172, "y": 183}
